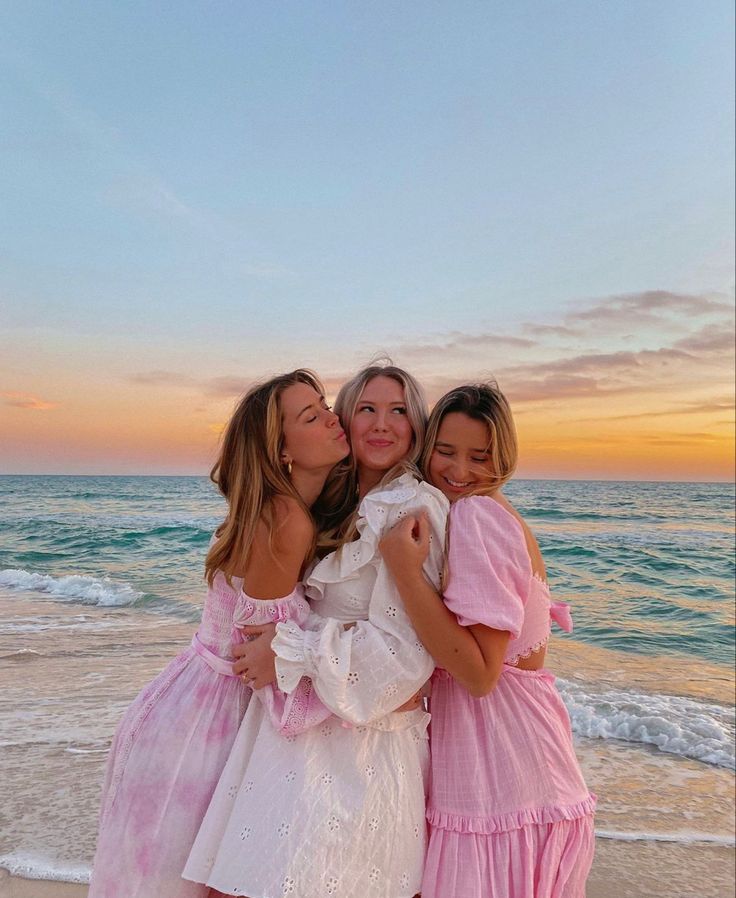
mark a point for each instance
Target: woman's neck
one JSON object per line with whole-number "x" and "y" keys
{"x": 367, "y": 479}
{"x": 309, "y": 484}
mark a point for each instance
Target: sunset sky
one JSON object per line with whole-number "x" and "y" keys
{"x": 197, "y": 195}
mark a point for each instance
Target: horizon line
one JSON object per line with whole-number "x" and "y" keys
{"x": 532, "y": 479}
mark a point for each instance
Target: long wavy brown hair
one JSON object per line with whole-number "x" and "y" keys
{"x": 249, "y": 472}
{"x": 335, "y": 510}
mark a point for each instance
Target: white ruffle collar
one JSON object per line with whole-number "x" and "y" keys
{"x": 347, "y": 561}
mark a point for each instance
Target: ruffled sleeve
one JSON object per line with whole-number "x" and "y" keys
{"x": 371, "y": 668}
{"x": 489, "y": 567}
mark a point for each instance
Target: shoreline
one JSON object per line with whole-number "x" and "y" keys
{"x": 626, "y": 869}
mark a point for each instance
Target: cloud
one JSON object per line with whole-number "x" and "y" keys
{"x": 226, "y": 386}
{"x": 547, "y": 330}
{"x": 711, "y": 338}
{"x": 457, "y": 341}
{"x": 589, "y": 374}
{"x": 160, "y": 378}
{"x": 27, "y": 400}
{"x": 649, "y": 307}
{"x": 148, "y": 192}
{"x": 682, "y": 439}
{"x": 691, "y": 408}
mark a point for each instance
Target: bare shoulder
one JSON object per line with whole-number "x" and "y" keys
{"x": 279, "y": 551}
{"x": 535, "y": 555}
{"x": 292, "y": 522}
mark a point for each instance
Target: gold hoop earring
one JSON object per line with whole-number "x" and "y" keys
{"x": 288, "y": 468}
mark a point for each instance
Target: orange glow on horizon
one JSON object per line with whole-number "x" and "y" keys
{"x": 153, "y": 434}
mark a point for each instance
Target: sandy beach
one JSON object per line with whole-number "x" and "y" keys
{"x": 623, "y": 870}
{"x": 651, "y": 704}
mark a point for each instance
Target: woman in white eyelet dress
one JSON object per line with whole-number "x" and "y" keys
{"x": 338, "y": 809}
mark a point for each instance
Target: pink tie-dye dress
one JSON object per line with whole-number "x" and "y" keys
{"x": 171, "y": 747}
{"x": 509, "y": 812}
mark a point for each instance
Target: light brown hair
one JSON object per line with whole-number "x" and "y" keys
{"x": 249, "y": 472}
{"x": 337, "y": 506}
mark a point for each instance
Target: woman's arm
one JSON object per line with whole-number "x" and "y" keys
{"x": 473, "y": 655}
{"x": 373, "y": 667}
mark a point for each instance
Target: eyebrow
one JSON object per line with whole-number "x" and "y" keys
{"x": 311, "y": 405}
{"x": 451, "y": 446}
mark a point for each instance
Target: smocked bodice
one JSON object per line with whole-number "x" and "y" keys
{"x": 539, "y": 612}
{"x": 227, "y": 608}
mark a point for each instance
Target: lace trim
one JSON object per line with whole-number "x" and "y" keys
{"x": 297, "y": 715}
{"x": 527, "y": 653}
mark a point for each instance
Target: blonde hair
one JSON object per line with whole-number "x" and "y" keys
{"x": 249, "y": 472}
{"x": 483, "y": 402}
{"x": 336, "y": 509}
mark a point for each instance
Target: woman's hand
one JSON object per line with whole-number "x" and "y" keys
{"x": 406, "y": 545}
{"x": 256, "y": 660}
{"x": 416, "y": 701}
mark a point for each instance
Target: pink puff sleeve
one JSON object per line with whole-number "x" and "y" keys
{"x": 489, "y": 567}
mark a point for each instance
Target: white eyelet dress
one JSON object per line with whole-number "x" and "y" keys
{"x": 337, "y": 809}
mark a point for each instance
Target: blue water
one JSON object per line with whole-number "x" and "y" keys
{"x": 648, "y": 567}
{"x": 101, "y": 583}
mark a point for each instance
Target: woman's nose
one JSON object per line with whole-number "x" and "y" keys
{"x": 459, "y": 471}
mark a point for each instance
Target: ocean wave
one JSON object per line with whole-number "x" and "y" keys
{"x": 31, "y": 866}
{"x": 103, "y": 592}
{"x": 673, "y": 723}
{"x": 683, "y": 838}
{"x": 21, "y": 655}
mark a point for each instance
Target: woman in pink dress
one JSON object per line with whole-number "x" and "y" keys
{"x": 171, "y": 746}
{"x": 509, "y": 813}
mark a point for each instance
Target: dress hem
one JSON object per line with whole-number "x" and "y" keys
{"x": 249, "y": 893}
{"x": 514, "y": 820}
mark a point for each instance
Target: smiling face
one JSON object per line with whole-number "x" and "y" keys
{"x": 460, "y": 462}
{"x": 312, "y": 435}
{"x": 380, "y": 431}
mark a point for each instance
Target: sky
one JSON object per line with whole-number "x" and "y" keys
{"x": 194, "y": 196}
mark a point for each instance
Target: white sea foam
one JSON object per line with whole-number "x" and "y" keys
{"x": 685, "y": 838}
{"x": 21, "y": 655}
{"x": 673, "y": 723}
{"x": 77, "y": 588}
{"x": 32, "y": 866}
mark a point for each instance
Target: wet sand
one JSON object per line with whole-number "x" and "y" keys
{"x": 620, "y": 870}
{"x": 76, "y": 694}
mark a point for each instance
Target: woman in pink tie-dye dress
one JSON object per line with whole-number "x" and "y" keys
{"x": 509, "y": 813}
{"x": 172, "y": 744}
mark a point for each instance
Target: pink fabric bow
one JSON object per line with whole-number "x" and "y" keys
{"x": 560, "y": 614}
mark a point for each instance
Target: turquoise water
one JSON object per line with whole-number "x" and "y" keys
{"x": 101, "y": 585}
{"x": 648, "y": 567}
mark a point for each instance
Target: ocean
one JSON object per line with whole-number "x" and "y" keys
{"x": 101, "y": 583}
